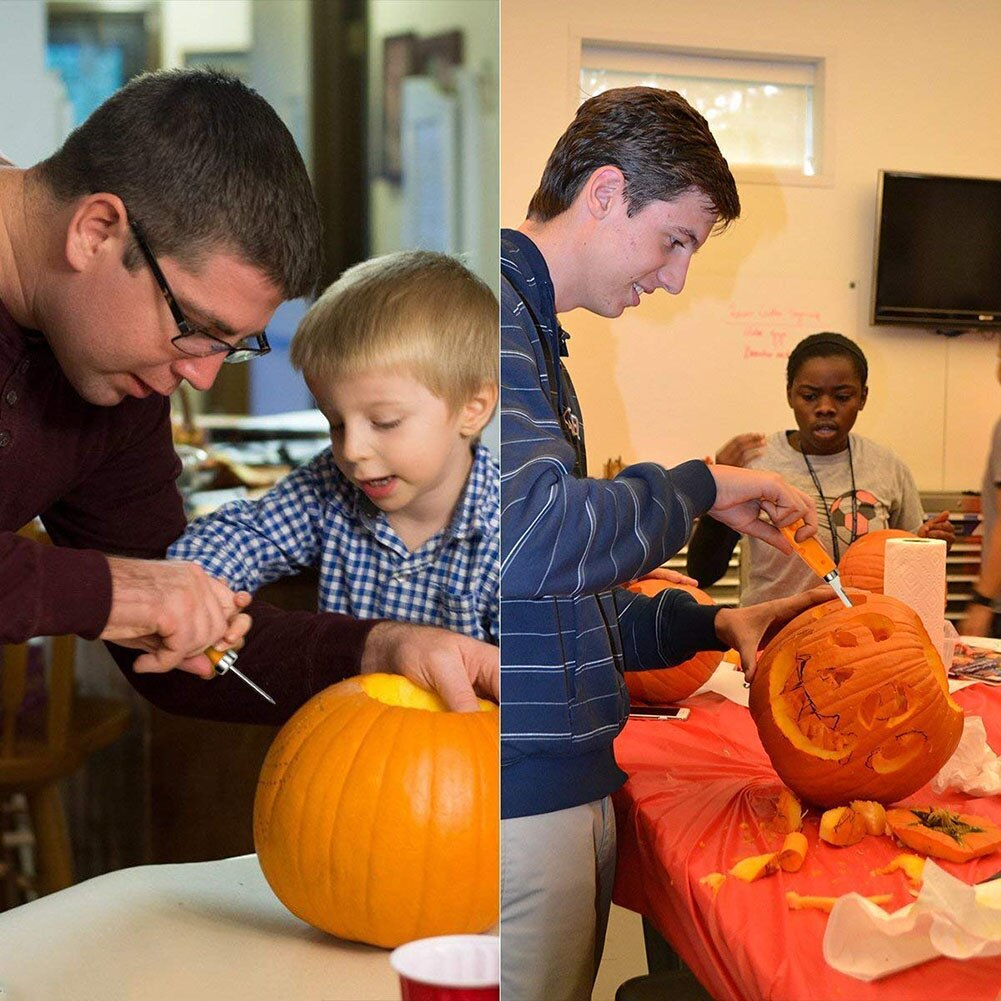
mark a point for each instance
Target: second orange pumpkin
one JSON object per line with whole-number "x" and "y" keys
{"x": 669, "y": 684}
{"x": 862, "y": 564}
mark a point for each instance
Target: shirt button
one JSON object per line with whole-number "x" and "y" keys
{"x": 4, "y": 439}
{"x": 11, "y": 397}
{"x": 25, "y": 366}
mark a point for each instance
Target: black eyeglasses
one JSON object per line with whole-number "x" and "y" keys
{"x": 194, "y": 340}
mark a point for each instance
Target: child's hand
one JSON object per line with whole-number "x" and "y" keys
{"x": 939, "y": 527}
{"x": 457, "y": 667}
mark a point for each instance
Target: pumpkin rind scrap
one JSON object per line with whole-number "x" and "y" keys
{"x": 842, "y": 826}
{"x": 862, "y": 564}
{"x": 853, "y": 703}
{"x": 377, "y": 821}
{"x": 669, "y": 684}
{"x": 955, "y": 837}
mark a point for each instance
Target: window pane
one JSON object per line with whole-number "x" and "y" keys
{"x": 757, "y": 123}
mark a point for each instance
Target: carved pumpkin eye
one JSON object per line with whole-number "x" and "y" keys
{"x": 852, "y": 703}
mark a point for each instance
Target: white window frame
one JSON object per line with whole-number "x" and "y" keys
{"x": 647, "y": 56}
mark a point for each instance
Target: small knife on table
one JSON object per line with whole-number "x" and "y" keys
{"x": 225, "y": 660}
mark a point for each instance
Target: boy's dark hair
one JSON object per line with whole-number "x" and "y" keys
{"x": 661, "y": 144}
{"x": 204, "y": 164}
{"x": 826, "y": 345}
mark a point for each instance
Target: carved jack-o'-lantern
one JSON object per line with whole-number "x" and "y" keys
{"x": 862, "y": 564}
{"x": 669, "y": 684}
{"x": 852, "y": 703}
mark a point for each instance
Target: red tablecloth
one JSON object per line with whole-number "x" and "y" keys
{"x": 693, "y": 805}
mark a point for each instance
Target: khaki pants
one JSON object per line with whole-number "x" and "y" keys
{"x": 557, "y": 871}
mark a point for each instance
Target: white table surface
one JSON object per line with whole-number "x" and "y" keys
{"x": 205, "y": 930}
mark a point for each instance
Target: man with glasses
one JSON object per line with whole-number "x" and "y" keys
{"x": 155, "y": 244}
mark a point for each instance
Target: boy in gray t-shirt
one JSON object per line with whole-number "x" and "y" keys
{"x": 858, "y": 485}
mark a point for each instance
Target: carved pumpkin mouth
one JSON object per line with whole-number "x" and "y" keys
{"x": 898, "y": 752}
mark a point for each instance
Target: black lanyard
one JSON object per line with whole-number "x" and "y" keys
{"x": 827, "y": 510}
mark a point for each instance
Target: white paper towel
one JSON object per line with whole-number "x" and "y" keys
{"x": 949, "y": 918}
{"x": 914, "y": 572}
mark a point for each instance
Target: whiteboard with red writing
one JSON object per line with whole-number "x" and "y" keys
{"x": 677, "y": 376}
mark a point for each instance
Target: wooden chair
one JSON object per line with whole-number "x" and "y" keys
{"x": 43, "y": 740}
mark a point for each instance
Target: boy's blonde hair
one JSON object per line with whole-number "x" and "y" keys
{"x": 417, "y": 310}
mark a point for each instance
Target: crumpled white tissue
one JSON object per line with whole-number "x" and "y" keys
{"x": 973, "y": 768}
{"x": 727, "y": 681}
{"x": 948, "y": 918}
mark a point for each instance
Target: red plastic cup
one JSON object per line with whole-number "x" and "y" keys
{"x": 449, "y": 968}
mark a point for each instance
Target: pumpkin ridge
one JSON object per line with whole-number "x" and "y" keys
{"x": 429, "y": 852}
{"x": 381, "y": 825}
{"x": 488, "y": 827}
{"x": 374, "y": 711}
{"x": 280, "y": 759}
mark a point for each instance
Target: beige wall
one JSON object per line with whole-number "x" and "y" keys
{"x": 913, "y": 85}
{"x": 205, "y": 26}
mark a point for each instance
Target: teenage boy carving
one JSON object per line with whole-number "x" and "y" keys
{"x": 631, "y": 191}
{"x": 154, "y": 245}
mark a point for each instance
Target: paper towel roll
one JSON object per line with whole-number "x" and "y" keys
{"x": 914, "y": 572}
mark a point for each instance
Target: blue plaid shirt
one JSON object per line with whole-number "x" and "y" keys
{"x": 316, "y": 517}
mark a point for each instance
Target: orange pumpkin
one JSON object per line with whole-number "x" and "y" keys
{"x": 862, "y": 564}
{"x": 956, "y": 837}
{"x": 669, "y": 684}
{"x": 376, "y": 817}
{"x": 852, "y": 703}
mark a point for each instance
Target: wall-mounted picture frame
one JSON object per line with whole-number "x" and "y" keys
{"x": 440, "y": 51}
{"x": 400, "y": 59}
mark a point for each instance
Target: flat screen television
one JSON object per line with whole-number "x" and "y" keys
{"x": 937, "y": 260}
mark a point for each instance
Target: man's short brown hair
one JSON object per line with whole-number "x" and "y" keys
{"x": 415, "y": 310}
{"x": 661, "y": 144}
{"x": 204, "y": 164}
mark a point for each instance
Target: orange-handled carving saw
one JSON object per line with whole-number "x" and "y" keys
{"x": 225, "y": 660}
{"x": 813, "y": 554}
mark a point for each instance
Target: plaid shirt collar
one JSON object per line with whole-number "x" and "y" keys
{"x": 468, "y": 520}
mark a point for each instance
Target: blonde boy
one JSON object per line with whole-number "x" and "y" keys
{"x": 401, "y": 514}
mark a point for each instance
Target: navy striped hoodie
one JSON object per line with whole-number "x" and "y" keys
{"x": 567, "y": 630}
